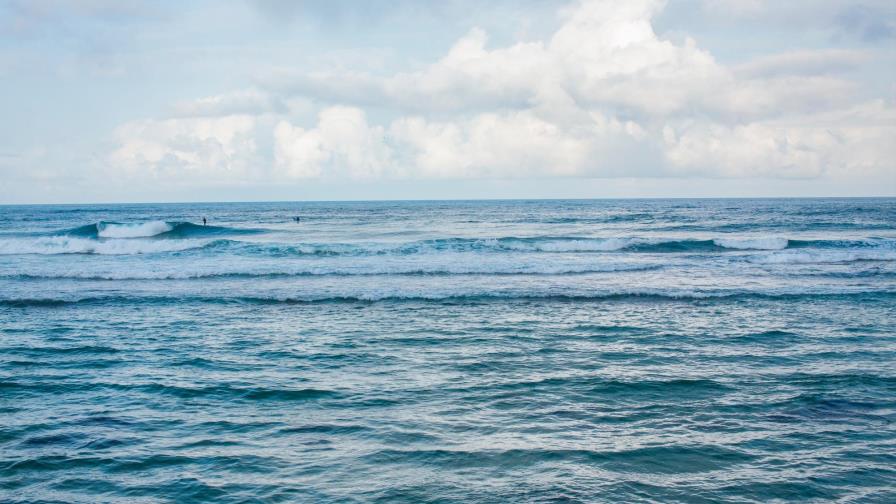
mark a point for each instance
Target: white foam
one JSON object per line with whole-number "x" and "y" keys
{"x": 70, "y": 245}
{"x": 582, "y": 245}
{"x": 450, "y": 264}
{"x": 826, "y": 256}
{"x": 759, "y": 243}
{"x": 604, "y": 245}
{"x": 141, "y": 230}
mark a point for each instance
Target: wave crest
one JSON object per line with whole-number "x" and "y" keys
{"x": 546, "y": 244}
{"x": 346, "y": 270}
{"x": 673, "y": 295}
{"x": 150, "y": 229}
{"x": 767, "y": 243}
{"x": 52, "y": 245}
{"x": 140, "y": 230}
{"x": 827, "y": 256}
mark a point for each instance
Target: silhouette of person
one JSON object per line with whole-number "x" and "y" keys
{"x": 203, "y": 221}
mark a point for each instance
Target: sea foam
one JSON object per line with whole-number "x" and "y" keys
{"x": 767, "y": 243}
{"x": 51, "y": 245}
{"x": 141, "y": 230}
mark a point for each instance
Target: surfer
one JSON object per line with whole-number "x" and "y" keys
{"x": 203, "y": 221}
{"x": 297, "y": 219}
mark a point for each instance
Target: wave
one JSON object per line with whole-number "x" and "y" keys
{"x": 606, "y": 219}
{"x": 648, "y": 295}
{"x": 701, "y": 458}
{"x": 112, "y": 238}
{"x": 151, "y": 229}
{"x": 115, "y": 238}
{"x": 311, "y": 270}
{"x": 52, "y": 245}
{"x": 503, "y": 244}
{"x": 557, "y": 245}
{"x": 826, "y": 256}
{"x": 771, "y": 243}
{"x": 632, "y": 244}
{"x": 142, "y": 230}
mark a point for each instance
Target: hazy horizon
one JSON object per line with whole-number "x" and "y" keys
{"x": 459, "y": 200}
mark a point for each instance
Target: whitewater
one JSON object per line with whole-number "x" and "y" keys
{"x": 489, "y": 351}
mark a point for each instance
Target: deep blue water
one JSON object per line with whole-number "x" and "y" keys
{"x": 507, "y": 351}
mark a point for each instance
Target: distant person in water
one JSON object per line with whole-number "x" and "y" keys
{"x": 297, "y": 219}
{"x": 203, "y": 221}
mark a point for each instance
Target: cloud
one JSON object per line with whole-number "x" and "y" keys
{"x": 751, "y": 150}
{"x": 605, "y": 55}
{"x": 603, "y": 96}
{"x": 519, "y": 144}
{"x": 342, "y": 144}
{"x": 805, "y": 62}
{"x": 242, "y": 102}
{"x": 846, "y": 142}
{"x": 213, "y": 150}
{"x": 490, "y": 145}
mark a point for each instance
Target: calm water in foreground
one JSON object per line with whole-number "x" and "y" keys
{"x": 512, "y": 351}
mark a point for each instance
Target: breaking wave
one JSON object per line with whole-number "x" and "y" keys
{"x": 146, "y": 229}
{"x": 442, "y": 268}
{"x": 113, "y": 238}
{"x": 51, "y": 245}
{"x": 826, "y": 256}
{"x": 557, "y": 245}
{"x": 151, "y": 229}
{"x": 773, "y": 243}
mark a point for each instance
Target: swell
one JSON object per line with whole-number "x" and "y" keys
{"x": 184, "y": 236}
{"x": 223, "y": 392}
{"x": 647, "y": 459}
{"x": 672, "y": 296}
{"x": 62, "y": 245}
{"x": 336, "y": 272}
{"x": 605, "y": 386}
{"x": 773, "y": 227}
{"x": 113, "y": 238}
{"x": 820, "y": 256}
{"x": 560, "y": 244}
{"x": 151, "y": 229}
{"x": 515, "y": 244}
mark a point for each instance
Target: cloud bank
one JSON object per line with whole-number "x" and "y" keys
{"x": 602, "y": 96}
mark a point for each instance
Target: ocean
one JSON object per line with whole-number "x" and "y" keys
{"x": 719, "y": 350}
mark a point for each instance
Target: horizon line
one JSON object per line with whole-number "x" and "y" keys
{"x": 411, "y": 200}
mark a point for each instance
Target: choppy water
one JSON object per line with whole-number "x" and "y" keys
{"x": 518, "y": 351}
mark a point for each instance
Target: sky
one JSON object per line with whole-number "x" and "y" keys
{"x": 248, "y": 100}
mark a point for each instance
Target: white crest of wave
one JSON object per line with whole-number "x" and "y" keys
{"x": 142, "y": 230}
{"x": 173, "y": 271}
{"x": 70, "y": 245}
{"x": 605, "y": 245}
{"x": 827, "y": 256}
{"x": 580, "y": 245}
{"x": 761, "y": 243}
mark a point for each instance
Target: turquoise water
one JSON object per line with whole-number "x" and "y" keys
{"x": 508, "y": 351}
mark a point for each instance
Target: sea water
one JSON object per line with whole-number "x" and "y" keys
{"x": 462, "y": 351}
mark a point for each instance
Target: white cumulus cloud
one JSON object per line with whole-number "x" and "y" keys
{"x": 211, "y": 149}
{"x": 342, "y": 143}
{"x": 603, "y": 96}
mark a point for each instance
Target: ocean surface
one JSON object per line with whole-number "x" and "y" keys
{"x": 462, "y": 351}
